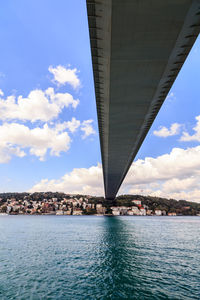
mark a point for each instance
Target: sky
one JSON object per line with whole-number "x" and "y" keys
{"x": 48, "y": 125}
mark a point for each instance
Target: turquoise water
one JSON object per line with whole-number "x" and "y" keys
{"x": 88, "y": 257}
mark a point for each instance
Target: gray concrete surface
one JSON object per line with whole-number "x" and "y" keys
{"x": 138, "y": 47}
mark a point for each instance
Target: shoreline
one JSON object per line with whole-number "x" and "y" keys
{"x": 95, "y": 215}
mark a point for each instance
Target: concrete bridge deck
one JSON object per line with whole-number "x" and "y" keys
{"x": 138, "y": 48}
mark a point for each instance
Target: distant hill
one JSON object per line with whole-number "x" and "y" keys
{"x": 181, "y": 207}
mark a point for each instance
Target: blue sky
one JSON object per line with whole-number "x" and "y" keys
{"x": 36, "y": 35}
{"x": 45, "y": 58}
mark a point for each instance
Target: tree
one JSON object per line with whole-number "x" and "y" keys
{"x": 3, "y": 209}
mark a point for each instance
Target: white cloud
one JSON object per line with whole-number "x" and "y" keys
{"x": 44, "y": 106}
{"x": 87, "y": 128}
{"x": 186, "y": 137}
{"x": 177, "y": 175}
{"x": 15, "y": 138}
{"x": 179, "y": 163}
{"x": 165, "y": 132}
{"x": 7, "y": 151}
{"x": 82, "y": 180}
{"x": 39, "y": 105}
{"x": 73, "y": 125}
{"x": 63, "y": 76}
{"x": 174, "y": 175}
{"x": 171, "y": 97}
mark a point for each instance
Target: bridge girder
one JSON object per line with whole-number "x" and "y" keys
{"x": 138, "y": 48}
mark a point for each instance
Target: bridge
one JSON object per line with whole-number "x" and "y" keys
{"x": 138, "y": 48}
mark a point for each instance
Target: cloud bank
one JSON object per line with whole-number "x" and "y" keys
{"x": 38, "y": 106}
{"x": 16, "y": 138}
{"x": 174, "y": 175}
{"x": 79, "y": 181}
{"x": 51, "y": 136}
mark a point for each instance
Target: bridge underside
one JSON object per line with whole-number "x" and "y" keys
{"x": 138, "y": 48}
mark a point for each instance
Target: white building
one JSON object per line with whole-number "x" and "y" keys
{"x": 116, "y": 213}
{"x": 84, "y": 205}
{"x": 77, "y": 212}
{"x": 135, "y": 210}
{"x": 59, "y": 212}
{"x": 172, "y": 214}
{"x": 158, "y": 212}
{"x": 124, "y": 210}
{"x": 143, "y": 212}
{"x": 100, "y": 209}
{"x": 9, "y": 208}
{"x": 149, "y": 212}
{"x": 115, "y": 210}
{"x": 137, "y": 202}
{"x": 67, "y": 212}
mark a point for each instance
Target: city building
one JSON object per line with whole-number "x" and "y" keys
{"x": 137, "y": 202}
{"x": 158, "y": 212}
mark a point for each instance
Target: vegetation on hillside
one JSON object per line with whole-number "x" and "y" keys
{"x": 181, "y": 207}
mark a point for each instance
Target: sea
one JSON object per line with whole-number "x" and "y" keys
{"x": 93, "y": 257}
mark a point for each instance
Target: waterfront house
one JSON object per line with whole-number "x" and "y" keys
{"x": 172, "y": 214}
{"x": 115, "y": 211}
{"x": 135, "y": 210}
{"x": 77, "y": 212}
{"x": 142, "y": 211}
{"x": 137, "y": 202}
{"x": 158, "y": 212}
{"x": 100, "y": 209}
{"x": 59, "y": 212}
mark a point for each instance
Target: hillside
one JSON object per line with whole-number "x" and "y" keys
{"x": 51, "y": 202}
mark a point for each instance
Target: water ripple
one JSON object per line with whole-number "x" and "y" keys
{"x": 99, "y": 258}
